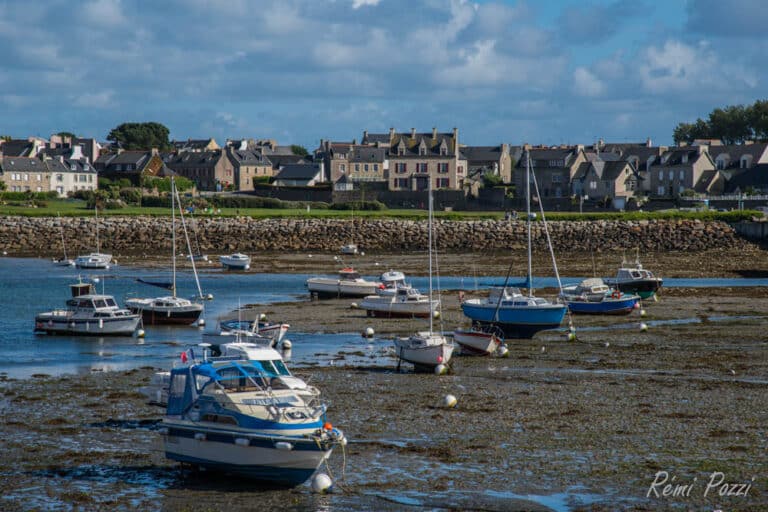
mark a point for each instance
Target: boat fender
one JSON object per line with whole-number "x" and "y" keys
{"x": 616, "y": 294}
{"x": 200, "y": 436}
{"x": 101, "y": 323}
{"x": 283, "y": 445}
{"x": 242, "y": 441}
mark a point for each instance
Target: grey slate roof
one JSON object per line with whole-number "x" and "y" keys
{"x": 736, "y": 151}
{"x": 279, "y": 161}
{"x": 16, "y": 147}
{"x": 22, "y": 164}
{"x": 248, "y": 157}
{"x": 481, "y": 153}
{"x": 755, "y": 177}
{"x": 298, "y": 172}
{"x": 189, "y": 159}
{"x": 365, "y": 154}
{"x": 373, "y": 138}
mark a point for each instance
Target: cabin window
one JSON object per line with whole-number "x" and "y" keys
{"x": 100, "y": 303}
{"x": 220, "y": 418}
{"x": 111, "y": 303}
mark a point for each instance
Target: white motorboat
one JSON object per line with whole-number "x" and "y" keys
{"x": 391, "y": 281}
{"x": 347, "y": 284}
{"x": 94, "y": 260}
{"x": 403, "y": 302}
{"x": 425, "y": 350}
{"x": 275, "y": 332}
{"x": 477, "y": 342}
{"x": 236, "y": 261}
{"x": 88, "y": 313}
{"x": 238, "y": 414}
{"x": 169, "y": 309}
{"x": 350, "y": 249}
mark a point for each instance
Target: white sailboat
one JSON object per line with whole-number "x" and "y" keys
{"x": 97, "y": 260}
{"x": 170, "y": 309}
{"x": 425, "y": 350}
{"x": 63, "y": 261}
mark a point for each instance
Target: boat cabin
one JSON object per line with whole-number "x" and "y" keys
{"x": 633, "y": 274}
{"x": 348, "y": 274}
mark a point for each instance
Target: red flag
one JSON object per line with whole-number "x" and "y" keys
{"x": 184, "y": 357}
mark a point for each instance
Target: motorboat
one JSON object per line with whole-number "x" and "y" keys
{"x": 391, "y": 281}
{"x": 426, "y": 350}
{"x": 236, "y": 261}
{"x": 169, "y": 309}
{"x": 350, "y": 249}
{"x": 348, "y": 283}
{"x": 95, "y": 260}
{"x": 405, "y": 302}
{"x": 478, "y": 342}
{"x": 593, "y": 296}
{"x": 274, "y": 331}
{"x": 636, "y": 280}
{"x": 518, "y": 315}
{"x": 237, "y": 414}
{"x": 88, "y": 313}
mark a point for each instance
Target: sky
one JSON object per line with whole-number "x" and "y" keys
{"x": 538, "y": 71}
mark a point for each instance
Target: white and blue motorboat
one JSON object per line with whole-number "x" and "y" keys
{"x": 518, "y": 315}
{"x": 244, "y": 414}
{"x": 593, "y": 297}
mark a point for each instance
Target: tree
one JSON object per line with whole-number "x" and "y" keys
{"x": 758, "y": 119}
{"x": 731, "y": 124}
{"x": 688, "y": 132}
{"x": 141, "y": 136}
{"x": 299, "y": 150}
{"x": 67, "y": 134}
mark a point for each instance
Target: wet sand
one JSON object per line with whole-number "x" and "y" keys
{"x": 584, "y": 425}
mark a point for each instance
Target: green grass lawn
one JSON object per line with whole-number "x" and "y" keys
{"x": 77, "y": 208}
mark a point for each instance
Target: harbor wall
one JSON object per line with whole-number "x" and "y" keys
{"x": 138, "y": 235}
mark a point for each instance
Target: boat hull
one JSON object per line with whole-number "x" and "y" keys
{"x": 276, "y": 332}
{"x": 55, "y": 324}
{"x": 645, "y": 288}
{"x": 608, "y": 306}
{"x": 522, "y": 322}
{"x": 252, "y": 455}
{"x": 476, "y": 343}
{"x": 168, "y": 317}
{"x": 334, "y": 290}
{"x": 385, "y": 307}
{"x": 424, "y": 358}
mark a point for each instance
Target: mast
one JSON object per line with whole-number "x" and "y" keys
{"x": 96, "y": 210}
{"x": 186, "y": 238}
{"x": 173, "y": 234}
{"x": 528, "y": 217}
{"x": 429, "y": 227}
{"x": 61, "y": 230}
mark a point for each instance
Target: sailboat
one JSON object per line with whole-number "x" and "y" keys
{"x": 198, "y": 254}
{"x": 425, "y": 350}
{"x": 516, "y": 314}
{"x": 96, "y": 259}
{"x": 63, "y": 261}
{"x": 169, "y": 309}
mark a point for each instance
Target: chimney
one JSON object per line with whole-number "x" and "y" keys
{"x": 61, "y": 158}
{"x": 354, "y": 142}
{"x": 434, "y": 132}
{"x": 413, "y": 133}
{"x": 648, "y": 143}
{"x": 154, "y": 151}
{"x": 365, "y": 136}
{"x": 77, "y": 152}
{"x": 456, "y": 136}
{"x": 391, "y": 133}
{"x": 505, "y": 148}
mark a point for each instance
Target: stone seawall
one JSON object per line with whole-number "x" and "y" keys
{"x": 151, "y": 235}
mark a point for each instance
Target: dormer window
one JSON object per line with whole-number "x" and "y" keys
{"x": 72, "y": 167}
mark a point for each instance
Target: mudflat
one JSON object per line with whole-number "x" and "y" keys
{"x": 673, "y": 417}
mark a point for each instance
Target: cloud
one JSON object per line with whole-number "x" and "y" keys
{"x": 104, "y": 13}
{"x": 734, "y": 18}
{"x": 356, "y": 4}
{"x": 591, "y": 23}
{"x": 587, "y": 84}
{"x": 99, "y": 100}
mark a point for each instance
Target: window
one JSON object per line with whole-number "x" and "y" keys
{"x": 375, "y": 167}
{"x": 682, "y": 175}
{"x": 39, "y": 177}
{"x": 556, "y": 178}
{"x": 660, "y": 190}
{"x": 401, "y": 182}
{"x": 661, "y": 175}
{"x": 39, "y": 189}
{"x": 59, "y": 177}
{"x": 443, "y": 182}
{"x": 421, "y": 167}
{"x": 26, "y": 177}
{"x": 592, "y": 185}
{"x": 442, "y": 168}
{"x": 720, "y": 164}
{"x": 401, "y": 168}
{"x": 72, "y": 167}
{"x": 555, "y": 163}
{"x": 671, "y": 174}
{"x": 422, "y": 150}
{"x": 83, "y": 178}
{"x": 365, "y": 167}
{"x": 357, "y": 167}
{"x": 343, "y": 167}
{"x": 460, "y": 170}
{"x": 60, "y": 190}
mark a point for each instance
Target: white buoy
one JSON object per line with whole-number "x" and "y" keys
{"x": 5, "y": 253}
{"x": 309, "y": 255}
{"x": 209, "y": 296}
{"x": 353, "y": 305}
{"x": 607, "y": 344}
{"x": 436, "y": 314}
{"x": 95, "y": 279}
{"x": 449, "y": 401}
{"x": 362, "y": 253}
{"x": 140, "y": 333}
{"x": 571, "y": 336}
{"x": 321, "y": 483}
{"x": 201, "y": 322}
{"x": 287, "y": 344}
{"x": 642, "y": 312}
{"x": 368, "y": 332}
{"x": 376, "y": 264}
{"x": 441, "y": 369}
{"x": 543, "y": 349}
{"x": 262, "y": 316}
{"x": 643, "y": 327}
{"x": 503, "y": 351}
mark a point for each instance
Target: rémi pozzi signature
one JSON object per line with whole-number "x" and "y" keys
{"x": 666, "y": 486}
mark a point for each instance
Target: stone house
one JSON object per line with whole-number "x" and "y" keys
{"x": 494, "y": 160}
{"x": 25, "y": 174}
{"x": 554, "y": 169}
{"x": 70, "y": 175}
{"x": 734, "y": 159}
{"x": 684, "y": 168}
{"x": 418, "y": 159}
{"x": 598, "y": 179}
{"x": 195, "y": 145}
{"x": 209, "y": 170}
{"x": 248, "y": 164}
{"x": 131, "y": 165}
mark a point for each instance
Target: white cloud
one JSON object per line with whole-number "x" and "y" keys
{"x": 104, "y": 13}
{"x": 356, "y": 4}
{"x": 101, "y": 99}
{"x": 587, "y": 84}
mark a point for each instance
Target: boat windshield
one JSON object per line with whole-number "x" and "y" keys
{"x": 111, "y": 302}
